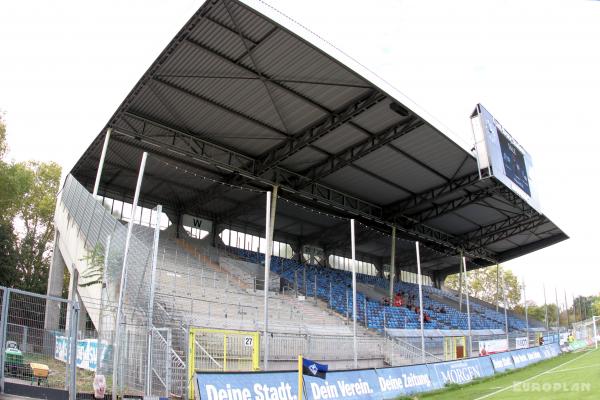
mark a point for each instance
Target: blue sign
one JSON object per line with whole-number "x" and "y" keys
{"x": 502, "y": 361}
{"x": 404, "y": 381}
{"x": 87, "y": 352}
{"x": 378, "y": 384}
{"x": 462, "y": 371}
{"x": 524, "y": 357}
{"x": 550, "y": 351}
{"x": 348, "y": 385}
{"x": 248, "y": 386}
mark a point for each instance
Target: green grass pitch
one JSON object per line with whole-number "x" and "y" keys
{"x": 569, "y": 376}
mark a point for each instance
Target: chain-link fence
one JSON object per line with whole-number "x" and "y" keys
{"x": 35, "y": 350}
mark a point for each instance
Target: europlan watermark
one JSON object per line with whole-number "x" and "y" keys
{"x": 551, "y": 387}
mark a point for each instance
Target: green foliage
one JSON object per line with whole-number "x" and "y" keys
{"x": 482, "y": 285}
{"x": 27, "y": 202}
{"x": 8, "y": 253}
{"x": 94, "y": 274}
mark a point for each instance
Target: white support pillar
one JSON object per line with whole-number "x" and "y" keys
{"x": 557, "y": 311}
{"x": 353, "y": 246}
{"x": 497, "y": 286}
{"x": 545, "y": 309}
{"x": 420, "y": 282}
{"x": 392, "y": 264}
{"x": 101, "y": 163}
{"x": 460, "y": 283}
{"x": 595, "y": 331}
{"x": 123, "y": 285}
{"x": 151, "y": 302}
{"x": 505, "y": 310}
{"x": 526, "y": 316}
{"x": 466, "y": 276}
{"x": 269, "y": 227}
{"x": 566, "y": 307}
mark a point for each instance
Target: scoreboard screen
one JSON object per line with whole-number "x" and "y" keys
{"x": 499, "y": 155}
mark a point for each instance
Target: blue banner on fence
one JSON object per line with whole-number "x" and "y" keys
{"x": 87, "y": 352}
{"x": 248, "y": 386}
{"x": 462, "y": 371}
{"x": 550, "y": 351}
{"x": 347, "y": 385}
{"x": 524, "y": 357}
{"x": 404, "y": 381}
{"x": 378, "y": 384}
{"x": 502, "y": 361}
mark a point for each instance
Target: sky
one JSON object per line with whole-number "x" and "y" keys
{"x": 65, "y": 66}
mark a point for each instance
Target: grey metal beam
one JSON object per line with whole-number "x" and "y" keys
{"x": 232, "y": 111}
{"x": 440, "y": 209}
{"x": 418, "y": 199}
{"x": 361, "y": 149}
{"x": 316, "y": 131}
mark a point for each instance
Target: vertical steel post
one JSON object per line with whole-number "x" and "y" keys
{"x": 505, "y": 310}
{"x": 574, "y": 310}
{"x": 526, "y": 312}
{"x": 466, "y": 276}
{"x": 392, "y": 263}
{"x": 595, "y": 331}
{"x": 3, "y": 333}
{"x": 123, "y": 286}
{"x": 73, "y": 350}
{"x": 420, "y": 282}
{"x": 269, "y": 227}
{"x": 103, "y": 294}
{"x": 101, "y": 163}
{"x": 460, "y": 283}
{"x": 497, "y": 286}
{"x": 545, "y": 308}
{"x": 557, "y": 311}
{"x": 353, "y": 247}
{"x": 566, "y": 307}
{"x": 151, "y": 302}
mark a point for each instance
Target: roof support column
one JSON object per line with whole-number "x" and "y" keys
{"x": 101, "y": 164}
{"x": 392, "y": 261}
{"x": 420, "y": 282}
{"x": 353, "y": 246}
{"x": 269, "y": 227}
{"x": 466, "y": 276}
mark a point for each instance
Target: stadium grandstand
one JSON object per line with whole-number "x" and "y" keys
{"x": 215, "y": 222}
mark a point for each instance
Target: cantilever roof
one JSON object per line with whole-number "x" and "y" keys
{"x": 245, "y": 96}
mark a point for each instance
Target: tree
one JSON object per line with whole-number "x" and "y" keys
{"x": 36, "y": 214}
{"x": 27, "y": 202}
{"x": 8, "y": 254}
{"x": 482, "y": 285}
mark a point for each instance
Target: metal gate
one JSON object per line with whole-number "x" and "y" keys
{"x": 222, "y": 350}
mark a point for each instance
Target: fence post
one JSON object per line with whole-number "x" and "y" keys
{"x": 5, "y": 300}
{"x": 74, "y": 323}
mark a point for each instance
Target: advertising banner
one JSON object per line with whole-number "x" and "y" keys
{"x": 61, "y": 348}
{"x": 550, "y": 351}
{"x": 348, "y": 385}
{"x": 502, "y": 362}
{"x": 86, "y": 352}
{"x": 525, "y": 357}
{"x": 521, "y": 343}
{"x": 248, "y": 386}
{"x": 487, "y": 347}
{"x": 378, "y": 384}
{"x": 405, "y": 381}
{"x": 462, "y": 371}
